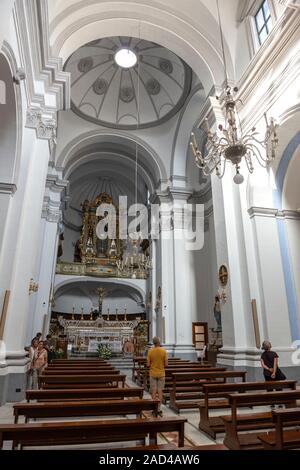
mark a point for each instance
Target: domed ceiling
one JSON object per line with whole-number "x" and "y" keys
{"x": 143, "y": 95}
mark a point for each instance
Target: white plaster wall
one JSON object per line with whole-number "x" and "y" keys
{"x": 5, "y": 20}
{"x": 293, "y": 235}
{"x": 242, "y": 50}
{"x": 24, "y": 251}
{"x": 277, "y": 318}
{"x": 70, "y": 237}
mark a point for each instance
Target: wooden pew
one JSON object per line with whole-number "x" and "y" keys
{"x": 78, "y": 361}
{"x": 144, "y": 379}
{"x": 216, "y": 397}
{"x": 236, "y": 424}
{"x": 281, "y": 438}
{"x": 90, "y": 432}
{"x": 81, "y": 366}
{"x": 85, "y": 394}
{"x": 81, "y": 381}
{"x": 83, "y": 408}
{"x": 187, "y": 388}
{"x": 209, "y": 447}
{"x": 140, "y": 363}
{"x": 80, "y": 372}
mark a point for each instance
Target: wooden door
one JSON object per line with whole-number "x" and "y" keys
{"x": 200, "y": 335}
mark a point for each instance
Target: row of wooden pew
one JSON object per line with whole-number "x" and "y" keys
{"x": 81, "y": 389}
{"x": 209, "y": 389}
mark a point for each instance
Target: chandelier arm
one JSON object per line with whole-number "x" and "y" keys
{"x": 220, "y": 176}
{"x": 256, "y": 153}
{"x": 263, "y": 143}
{"x": 249, "y": 162}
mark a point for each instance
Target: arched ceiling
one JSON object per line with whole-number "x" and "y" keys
{"x": 189, "y": 30}
{"x": 106, "y": 175}
{"x": 144, "y": 95}
{"x": 89, "y": 289}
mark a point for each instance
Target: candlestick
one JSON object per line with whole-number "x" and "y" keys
{"x": 82, "y": 313}
{"x": 91, "y": 315}
{"x": 125, "y": 313}
{"x": 73, "y": 311}
{"x": 116, "y": 314}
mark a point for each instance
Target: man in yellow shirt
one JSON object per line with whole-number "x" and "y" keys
{"x": 157, "y": 360}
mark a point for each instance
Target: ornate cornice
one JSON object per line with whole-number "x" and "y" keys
{"x": 56, "y": 184}
{"x": 32, "y": 29}
{"x": 293, "y": 4}
{"x": 274, "y": 49}
{"x": 51, "y": 211}
{"x": 273, "y": 213}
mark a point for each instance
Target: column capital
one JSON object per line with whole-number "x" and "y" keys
{"x": 171, "y": 195}
{"x": 51, "y": 211}
{"x": 45, "y": 124}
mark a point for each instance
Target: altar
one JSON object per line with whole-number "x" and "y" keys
{"x": 85, "y": 336}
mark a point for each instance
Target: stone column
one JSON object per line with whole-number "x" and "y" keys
{"x": 239, "y": 347}
{"x": 19, "y": 260}
{"x": 272, "y": 245}
{"x": 164, "y": 310}
{"x": 185, "y": 311}
{"x": 24, "y": 269}
{"x": 51, "y": 216}
{"x": 153, "y": 289}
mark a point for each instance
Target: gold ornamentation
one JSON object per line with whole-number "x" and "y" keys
{"x": 94, "y": 250}
{"x": 158, "y": 298}
{"x": 223, "y": 275}
{"x": 33, "y": 286}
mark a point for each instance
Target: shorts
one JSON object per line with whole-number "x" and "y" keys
{"x": 157, "y": 384}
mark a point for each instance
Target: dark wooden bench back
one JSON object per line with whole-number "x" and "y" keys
{"x": 85, "y": 393}
{"x": 85, "y": 432}
{"x": 81, "y": 408}
{"x": 80, "y": 371}
{"x": 80, "y": 380}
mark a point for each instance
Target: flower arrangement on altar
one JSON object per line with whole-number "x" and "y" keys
{"x": 104, "y": 351}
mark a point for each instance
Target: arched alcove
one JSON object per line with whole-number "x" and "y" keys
{"x": 8, "y": 124}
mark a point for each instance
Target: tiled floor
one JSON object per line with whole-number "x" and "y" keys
{"x": 192, "y": 434}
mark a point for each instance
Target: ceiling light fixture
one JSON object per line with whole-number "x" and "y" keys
{"x": 135, "y": 263}
{"x": 231, "y": 143}
{"x": 126, "y": 58}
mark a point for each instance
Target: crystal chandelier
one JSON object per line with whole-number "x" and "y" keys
{"x": 231, "y": 144}
{"x": 135, "y": 263}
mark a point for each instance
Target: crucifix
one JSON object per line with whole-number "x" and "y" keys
{"x": 101, "y": 293}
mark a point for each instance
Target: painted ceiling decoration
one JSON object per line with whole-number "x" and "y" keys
{"x": 107, "y": 94}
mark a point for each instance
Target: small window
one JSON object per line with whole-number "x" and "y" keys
{"x": 263, "y": 21}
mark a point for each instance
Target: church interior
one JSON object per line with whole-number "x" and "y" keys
{"x": 150, "y": 202}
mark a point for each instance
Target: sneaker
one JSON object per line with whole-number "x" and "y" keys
{"x": 160, "y": 413}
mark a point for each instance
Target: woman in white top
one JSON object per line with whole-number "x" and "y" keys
{"x": 32, "y": 355}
